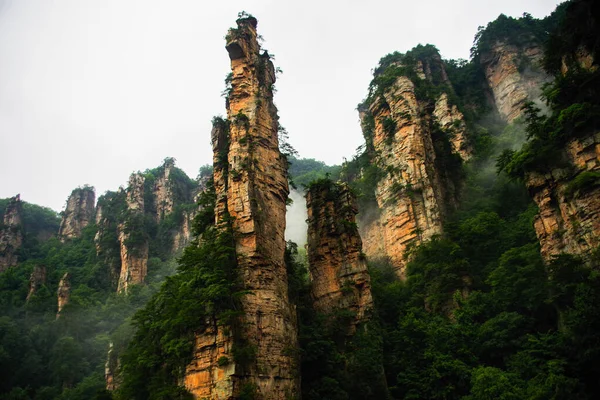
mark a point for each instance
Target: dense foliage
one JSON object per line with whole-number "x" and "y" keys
{"x": 42, "y": 357}
{"x": 204, "y": 290}
{"x": 302, "y": 171}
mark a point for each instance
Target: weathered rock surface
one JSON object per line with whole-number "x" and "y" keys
{"x": 78, "y": 214}
{"x": 132, "y": 238}
{"x": 251, "y": 185}
{"x": 11, "y": 234}
{"x": 64, "y": 293}
{"x": 569, "y": 218}
{"x": 416, "y": 189}
{"x": 338, "y": 267}
{"x": 514, "y": 75}
{"x": 36, "y": 279}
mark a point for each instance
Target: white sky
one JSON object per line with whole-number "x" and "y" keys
{"x": 92, "y": 90}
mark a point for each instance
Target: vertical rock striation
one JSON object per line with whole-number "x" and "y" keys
{"x": 514, "y": 76}
{"x": 36, "y": 279}
{"x": 11, "y": 233}
{"x": 132, "y": 238}
{"x": 78, "y": 214}
{"x": 416, "y": 141}
{"x": 338, "y": 267}
{"x": 251, "y": 185}
{"x": 64, "y": 293}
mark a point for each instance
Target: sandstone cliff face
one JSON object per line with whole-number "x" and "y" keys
{"x": 569, "y": 216}
{"x": 11, "y": 234}
{"x": 338, "y": 267}
{"x": 417, "y": 189}
{"x": 251, "y": 185}
{"x": 514, "y": 75}
{"x": 132, "y": 238}
{"x": 36, "y": 279}
{"x": 64, "y": 293}
{"x": 78, "y": 214}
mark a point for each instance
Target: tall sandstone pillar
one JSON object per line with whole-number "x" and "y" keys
{"x": 132, "y": 238}
{"x": 338, "y": 267}
{"x": 252, "y": 188}
{"x": 78, "y": 214}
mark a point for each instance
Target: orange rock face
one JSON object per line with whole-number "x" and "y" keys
{"x": 251, "y": 185}
{"x": 514, "y": 75}
{"x": 64, "y": 293}
{"x": 416, "y": 191}
{"x": 338, "y": 267}
{"x": 569, "y": 218}
{"x": 78, "y": 214}
{"x": 11, "y": 234}
{"x": 134, "y": 257}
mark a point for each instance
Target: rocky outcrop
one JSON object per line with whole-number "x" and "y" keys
{"x": 36, "y": 279}
{"x": 110, "y": 369}
{"x": 338, "y": 267}
{"x": 452, "y": 122}
{"x": 64, "y": 293}
{"x": 183, "y": 236}
{"x": 164, "y": 198}
{"x": 416, "y": 144}
{"x": 251, "y": 186}
{"x": 11, "y": 234}
{"x": 569, "y": 201}
{"x": 581, "y": 58}
{"x": 132, "y": 237}
{"x": 78, "y": 214}
{"x": 514, "y": 76}
{"x": 185, "y": 233}
{"x": 101, "y": 223}
{"x": 108, "y": 248}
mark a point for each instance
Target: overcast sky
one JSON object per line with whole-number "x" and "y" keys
{"x": 92, "y": 90}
